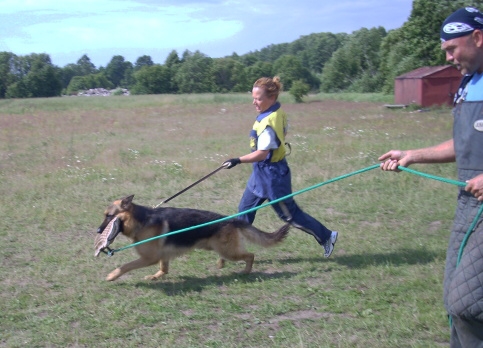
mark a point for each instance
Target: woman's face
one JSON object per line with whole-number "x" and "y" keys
{"x": 260, "y": 100}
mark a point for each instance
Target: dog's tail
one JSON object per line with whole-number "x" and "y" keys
{"x": 264, "y": 239}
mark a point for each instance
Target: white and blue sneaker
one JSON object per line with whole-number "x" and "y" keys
{"x": 329, "y": 245}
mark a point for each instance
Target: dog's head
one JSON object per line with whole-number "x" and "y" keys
{"x": 112, "y": 225}
{"x": 116, "y": 208}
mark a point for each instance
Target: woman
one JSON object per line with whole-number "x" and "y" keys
{"x": 271, "y": 177}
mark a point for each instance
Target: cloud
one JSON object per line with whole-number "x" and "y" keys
{"x": 133, "y": 28}
{"x": 46, "y": 30}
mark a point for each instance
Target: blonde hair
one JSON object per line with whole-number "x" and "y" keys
{"x": 271, "y": 86}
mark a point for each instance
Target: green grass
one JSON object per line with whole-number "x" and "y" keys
{"x": 63, "y": 160}
{"x": 358, "y": 97}
{"x": 23, "y": 106}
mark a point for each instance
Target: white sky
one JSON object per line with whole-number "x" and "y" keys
{"x": 132, "y": 28}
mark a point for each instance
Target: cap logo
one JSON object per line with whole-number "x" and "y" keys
{"x": 457, "y": 27}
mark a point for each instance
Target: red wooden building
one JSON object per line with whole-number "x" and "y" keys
{"x": 427, "y": 86}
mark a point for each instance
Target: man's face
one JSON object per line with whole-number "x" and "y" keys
{"x": 463, "y": 53}
{"x": 260, "y": 100}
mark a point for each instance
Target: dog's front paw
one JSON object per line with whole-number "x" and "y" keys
{"x": 155, "y": 276}
{"x": 114, "y": 275}
{"x": 152, "y": 277}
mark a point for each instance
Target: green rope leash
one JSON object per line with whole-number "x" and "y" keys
{"x": 454, "y": 182}
{"x": 249, "y": 210}
{"x": 429, "y": 176}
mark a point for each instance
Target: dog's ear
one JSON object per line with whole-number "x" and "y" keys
{"x": 126, "y": 202}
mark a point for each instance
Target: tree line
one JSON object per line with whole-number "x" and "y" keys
{"x": 367, "y": 60}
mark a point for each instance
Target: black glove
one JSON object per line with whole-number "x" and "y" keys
{"x": 231, "y": 163}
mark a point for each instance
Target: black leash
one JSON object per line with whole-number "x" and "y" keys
{"x": 190, "y": 186}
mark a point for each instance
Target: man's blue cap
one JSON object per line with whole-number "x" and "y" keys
{"x": 460, "y": 23}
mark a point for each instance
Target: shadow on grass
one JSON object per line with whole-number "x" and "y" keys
{"x": 188, "y": 284}
{"x": 197, "y": 284}
{"x": 397, "y": 258}
{"x": 401, "y": 257}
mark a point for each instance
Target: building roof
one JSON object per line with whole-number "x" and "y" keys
{"x": 425, "y": 71}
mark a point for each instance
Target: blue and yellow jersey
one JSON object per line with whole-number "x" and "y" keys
{"x": 275, "y": 118}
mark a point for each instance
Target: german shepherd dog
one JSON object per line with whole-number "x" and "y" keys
{"x": 227, "y": 237}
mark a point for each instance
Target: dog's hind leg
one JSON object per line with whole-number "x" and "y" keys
{"x": 230, "y": 246}
{"x": 248, "y": 258}
{"x": 163, "y": 269}
{"x": 139, "y": 263}
{"x": 237, "y": 255}
{"x": 220, "y": 263}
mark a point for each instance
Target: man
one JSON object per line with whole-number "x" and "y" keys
{"x": 462, "y": 40}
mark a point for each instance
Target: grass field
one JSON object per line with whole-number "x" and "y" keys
{"x": 63, "y": 160}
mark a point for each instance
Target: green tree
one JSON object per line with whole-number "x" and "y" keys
{"x": 396, "y": 59}
{"x": 81, "y": 83}
{"x": 249, "y": 59}
{"x": 43, "y": 81}
{"x": 289, "y": 68}
{"x": 355, "y": 65}
{"x": 312, "y": 51}
{"x": 8, "y": 76}
{"x": 154, "y": 79}
{"x": 18, "y": 89}
{"x": 315, "y": 50}
{"x": 186, "y": 54}
{"x": 299, "y": 90}
{"x": 128, "y": 78}
{"x": 338, "y": 72}
{"x": 228, "y": 74}
{"x": 172, "y": 59}
{"x": 142, "y": 62}
{"x": 173, "y": 63}
{"x": 116, "y": 69}
{"x": 194, "y": 74}
{"x": 240, "y": 78}
{"x": 273, "y": 52}
{"x": 257, "y": 70}
{"x": 36, "y": 77}
{"x": 76, "y": 84}
{"x": 85, "y": 66}
{"x": 67, "y": 73}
